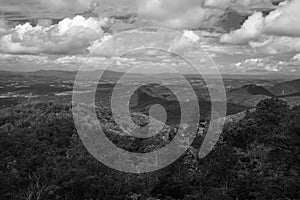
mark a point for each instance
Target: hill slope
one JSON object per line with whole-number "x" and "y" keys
{"x": 248, "y": 95}
{"x": 286, "y": 88}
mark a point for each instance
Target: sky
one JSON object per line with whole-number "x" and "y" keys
{"x": 236, "y": 36}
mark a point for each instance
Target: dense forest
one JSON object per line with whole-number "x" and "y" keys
{"x": 42, "y": 157}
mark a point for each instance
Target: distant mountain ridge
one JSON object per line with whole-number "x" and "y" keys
{"x": 66, "y": 75}
{"x": 72, "y": 74}
{"x": 286, "y": 88}
{"x": 254, "y": 90}
{"x": 245, "y": 95}
{"x": 251, "y": 94}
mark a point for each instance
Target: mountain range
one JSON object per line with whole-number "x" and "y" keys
{"x": 250, "y": 95}
{"x": 246, "y": 95}
{"x": 91, "y": 75}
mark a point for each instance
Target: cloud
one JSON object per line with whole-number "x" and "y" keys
{"x": 190, "y": 14}
{"x": 179, "y": 14}
{"x": 222, "y": 4}
{"x": 69, "y": 36}
{"x": 84, "y": 63}
{"x": 175, "y": 42}
{"x": 68, "y": 5}
{"x": 44, "y": 22}
{"x": 240, "y": 6}
{"x": 165, "y": 8}
{"x": 297, "y": 57}
{"x": 251, "y": 30}
{"x": 3, "y": 27}
{"x": 82, "y": 36}
{"x": 277, "y": 33}
{"x": 273, "y": 45}
{"x": 265, "y": 64}
{"x": 188, "y": 39}
{"x": 284, "y": 20}
{"x": 33, "y": 59}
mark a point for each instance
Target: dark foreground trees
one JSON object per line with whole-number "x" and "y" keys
{"x": 42, "y": 157}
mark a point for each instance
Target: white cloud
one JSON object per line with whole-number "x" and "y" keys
{"x": 188, "y": 39}
{"x": 222, "y": 4}
{"x": 68, "y": 36}
{"x": 284, "y": 20}
{"x": 266, "y": 64}
{"x": 277, "y": 33}
{"x": 186, "y": 14}
{"x": 297, "y": 57}
{"x": 83, "y": 36}
{"x": 84, "y": 63}
{"x": 32, "y": 59}
{"x": 179, "y": 14}
{"x": 162, "y": 39}
{"x": 276, "y": 45}
{"x": 251, "y": 30}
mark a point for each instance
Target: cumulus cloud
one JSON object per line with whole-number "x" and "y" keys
{"x": 265, "y": 64}
{"x": 297, "y": 57}
{"x": 82, "y": 36}
{"x": 32, "y": 59}
{"x": 277, "y": 33}
{"x": 284, "y": 20}
{"x": 84, "y": 62}
{"x": 188, "y": 39}
{"x": 195, "y": 13}
{"x": 276, "y": 45}
{"x": 173, "y": 41}
{"x": 179, "y": 14}
{"x": 185, "y": 14}
{"x": 68, "y": 36}
{"x": 251, "y": 30}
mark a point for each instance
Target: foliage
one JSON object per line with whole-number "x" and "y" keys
{"x": 42, "y": 157}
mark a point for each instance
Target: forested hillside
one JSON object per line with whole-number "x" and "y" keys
{"x": 42, "y": 157}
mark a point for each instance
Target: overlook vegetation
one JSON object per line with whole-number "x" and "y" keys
{"x": 42, "y": 157}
